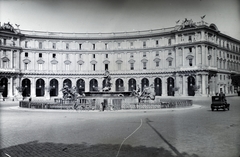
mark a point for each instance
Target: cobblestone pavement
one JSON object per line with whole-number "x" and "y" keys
{"x": 196, "y": 132}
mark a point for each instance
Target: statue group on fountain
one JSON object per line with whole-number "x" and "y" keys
{"x": 148, "y": 93}
{"x": 107, "y": 81}
{"x": 70, "y": 93}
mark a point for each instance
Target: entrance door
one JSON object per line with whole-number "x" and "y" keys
{"x": 191, "y": 86}
{"x": 170, "y": 86}
{"x": 158, "y": 86}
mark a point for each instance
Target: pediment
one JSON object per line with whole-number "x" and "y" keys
{"x": 80, "y": 62}
{"x": 106, "y": 61}
{"x": 131, "y": 61}
{"x": 40, "y": 61}
{"x": 54, "y": 61}
{"x": 169, "y": 59}
{"x": 67, "y": 62}
{"x": 119, "y": 61}
{"x": 93, "y": 62}
{"x": 5, "y": 59}
{"x": 157, "y": 60}
{"x": 190, "y": 57}
{"x": 26, "y": 61}
{"x": 144, "y": 60}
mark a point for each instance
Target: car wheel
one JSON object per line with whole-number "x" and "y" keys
{"x": 212, "y": 109}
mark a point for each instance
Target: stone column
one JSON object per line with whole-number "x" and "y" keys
{"x": 183, "y": 57}
{"x": 10, "y": 87}
{"x": 202, "y": 35}
{"x": 203, "y": 55}
{"x": 204, "y": 84}
{"x": 164, "y": 86}
{"x": 33, "y": 87}
{"x": 184, "y": 85}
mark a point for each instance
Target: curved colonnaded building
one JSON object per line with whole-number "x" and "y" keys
{"x": 190, "y": 59}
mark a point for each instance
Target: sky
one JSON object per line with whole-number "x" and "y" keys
{"x": 106, "y": 16}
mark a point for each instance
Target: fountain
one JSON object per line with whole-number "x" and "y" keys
{"x": 107, "y": 99}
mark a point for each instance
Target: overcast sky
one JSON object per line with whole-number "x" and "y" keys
{"x": 94, "y": 16}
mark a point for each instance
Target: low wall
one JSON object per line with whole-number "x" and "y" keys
{"x": 118, "y": 103}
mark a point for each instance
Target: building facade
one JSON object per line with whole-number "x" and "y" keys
{"x": 189, "y": 59}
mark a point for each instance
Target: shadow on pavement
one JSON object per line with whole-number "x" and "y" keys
{"x": 169, "y": 144}
{"x": 35, "y": 148}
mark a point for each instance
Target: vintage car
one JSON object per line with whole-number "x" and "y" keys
{"x": 219, "y": 102}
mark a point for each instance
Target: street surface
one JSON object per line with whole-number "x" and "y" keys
{"x": 185, "y": 132}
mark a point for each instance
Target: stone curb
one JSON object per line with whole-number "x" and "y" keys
{"x": 194, "y": 106}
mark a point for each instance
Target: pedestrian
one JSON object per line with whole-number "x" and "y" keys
{"x": 103, "y": 106}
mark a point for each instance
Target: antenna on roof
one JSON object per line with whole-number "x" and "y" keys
{"x": 202, "y": 17}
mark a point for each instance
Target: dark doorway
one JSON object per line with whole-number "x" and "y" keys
{"x": 158, "y": 86}
{"x": 68, "y": 82}
{"x": 54, "y": 87}
{"x": 131, "y": 84}
{"x": 119, "y": 85}
{"x": 80, "y": 86}
{"x": 40, "y": 87}
{"x": 26, "y": 86}
{"x": 145, "y": 83}
{"x": 191, "y": 86}
{"x": 4, "y": 87}
{"x": 170, "y": 86}
{"x": 93, "y": 85}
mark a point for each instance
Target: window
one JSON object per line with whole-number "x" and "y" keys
{"x": 131, "y": 44}
{"x": 119, "y": 66}
{"x": 230, "y": 56}
{"x": 157, "y": 43}
{"x": 131, "y": 55}
{"x": 67, "y": 67}
{"x": 119, "y": 44}
{"x": 93, "y": 67}
{"x": 40, "y": 66}
{"x": 54, "y": 55}
{"x": 131, "y": 66}
{"x": 67, "y": 56}
{"x": 119, "y": 55}
{"x": 169, "y": 63}
{"x": 4, "y": 41}
{"x": 40, "y": 55}
{"x": 106, "y": 46}
{"x": 157, "y": 53}
{"x": 220, "y": 77}
{"x": 144, "y": 44}
{"x": 106, "y": 66}
{"x": 4, "y": 53}
{"x": 106, "y": 55}
{"x": 5, "y": 64}
{"x": 220, "y": 54}
{"x": 54, "y": 46}
{"x": 157, "y": 64}
{"x": 80, "y": 46}
{"x": 80, "y": 55}
{"x": 227, "y": 55}
{"x": 67, "y": 46}
{"x": 190, "y": 38}
{"x": 190, "y": 49}
{"x": 190, "y": 62}
{"x": 144, "y": 54}
{"x": 26, "y": 44}
{"x": 54, "y": 67}
{"x": 169, "y": 52}
{"x": 144, "y": 65}
{"x": 26, "y": 66}
{"x": 169, "y": 42}
{"x": 80, "y": 67}
{"x": 93, "y": 46}
{"x": 26, "y": 54}
{"x": 40, "y": 45}
{"x": 93, "y": 56}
